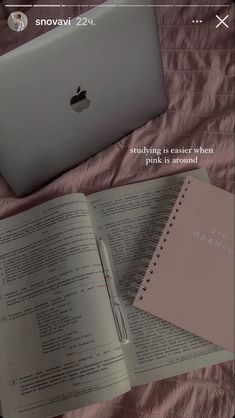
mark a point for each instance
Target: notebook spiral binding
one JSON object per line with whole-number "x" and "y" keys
{"x": 141, "y": 283}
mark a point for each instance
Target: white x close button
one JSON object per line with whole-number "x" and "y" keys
{"x": 222, "y": 21}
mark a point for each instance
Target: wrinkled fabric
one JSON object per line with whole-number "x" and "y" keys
{"x": 199, "y": 70}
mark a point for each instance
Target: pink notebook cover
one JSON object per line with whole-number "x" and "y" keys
{"x": 190, "y": 279}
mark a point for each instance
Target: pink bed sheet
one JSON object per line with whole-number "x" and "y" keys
{"x": 199, "y": 69}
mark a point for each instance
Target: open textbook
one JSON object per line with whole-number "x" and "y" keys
{"x": 59, "y": 348}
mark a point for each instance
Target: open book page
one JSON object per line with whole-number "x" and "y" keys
{"x": 128, "y": 219}
{"x": 59, "y": 348}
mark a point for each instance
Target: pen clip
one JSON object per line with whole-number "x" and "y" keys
{"x": 120, "y": 324}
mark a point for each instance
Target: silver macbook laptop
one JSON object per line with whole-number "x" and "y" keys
{"x": 73, "y": 91}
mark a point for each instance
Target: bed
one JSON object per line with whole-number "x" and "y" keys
{"x": 198, "y": 61}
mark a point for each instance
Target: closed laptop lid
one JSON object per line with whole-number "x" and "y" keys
{"x": 76, "y": 89}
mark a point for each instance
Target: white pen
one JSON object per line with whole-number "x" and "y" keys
{"x": 113, "y": 295}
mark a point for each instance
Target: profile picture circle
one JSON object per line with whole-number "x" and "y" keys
{"x": 17, "y": 21}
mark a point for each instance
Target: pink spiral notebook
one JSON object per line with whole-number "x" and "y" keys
{"x": 190, "y": 279}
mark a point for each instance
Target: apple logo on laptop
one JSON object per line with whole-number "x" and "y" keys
{"x": 80, "y": 102}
